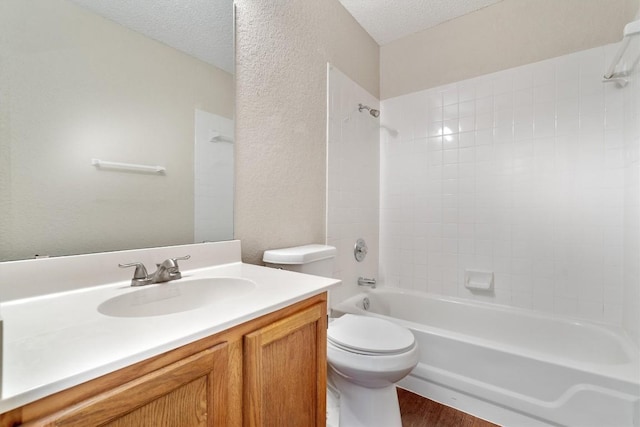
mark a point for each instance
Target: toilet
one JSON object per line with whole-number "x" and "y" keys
{"x": 366, "y": 356}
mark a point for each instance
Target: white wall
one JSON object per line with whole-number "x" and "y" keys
{"x": 353, "y": 149}
{"x": 631, "y": 312}
{"x": 75, "y": 86}
{"x": 282, "y": 50}
{"x": 528, "y": 182}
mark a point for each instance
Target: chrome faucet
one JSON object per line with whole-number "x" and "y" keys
{"x": 363, "y": 281}
{"x": 166, "y": 271}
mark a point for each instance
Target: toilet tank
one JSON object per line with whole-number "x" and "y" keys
{"x": 308, "y": 259}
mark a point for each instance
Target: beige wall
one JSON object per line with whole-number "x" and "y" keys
{"x": 74, "y": 86}
{"x": 282, "y": 50}
{"x": 501, "y": 36}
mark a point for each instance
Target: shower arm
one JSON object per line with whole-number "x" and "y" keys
{"x": 375, "y": 113}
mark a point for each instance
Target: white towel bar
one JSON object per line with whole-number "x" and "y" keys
{"x": 127, "y": 166}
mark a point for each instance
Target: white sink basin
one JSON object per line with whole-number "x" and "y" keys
{"x": 175, "y": 297}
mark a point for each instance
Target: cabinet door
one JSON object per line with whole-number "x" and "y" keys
{"x": 285, "y": 365}
{"x": 190, "y": 392}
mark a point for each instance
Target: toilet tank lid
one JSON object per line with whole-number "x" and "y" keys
{"x": 299, "y": 254}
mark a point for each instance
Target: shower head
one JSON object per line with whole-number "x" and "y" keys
{"x": 372, "y": 111}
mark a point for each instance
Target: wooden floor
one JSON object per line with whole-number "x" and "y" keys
{"x": 416, "y": 411}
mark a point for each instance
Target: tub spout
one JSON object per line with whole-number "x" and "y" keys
{"x": 363, "y": 281}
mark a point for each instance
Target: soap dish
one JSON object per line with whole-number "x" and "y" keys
{"x": 478, "y": 280}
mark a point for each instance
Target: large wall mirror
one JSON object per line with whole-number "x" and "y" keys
{"x": 116, "y": 125}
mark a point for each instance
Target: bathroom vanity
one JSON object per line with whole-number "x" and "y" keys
{"x": 253, "y": 359}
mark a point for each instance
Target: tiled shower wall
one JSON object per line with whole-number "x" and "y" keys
{"x": 631, "y": 275}
{"x": 519, "y": 172}
{"x": 352, "y": 181}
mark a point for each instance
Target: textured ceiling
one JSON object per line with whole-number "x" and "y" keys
{"x": 201, "y": 28}
{"x": 204, "y": 28}
{"x": 388, "y": 20}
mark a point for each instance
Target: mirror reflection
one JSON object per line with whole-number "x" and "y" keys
{"x": 145, "y": 83}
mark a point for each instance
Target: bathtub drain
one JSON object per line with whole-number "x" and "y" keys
{"x": 365, "y": 303}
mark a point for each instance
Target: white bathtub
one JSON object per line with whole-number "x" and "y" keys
{"x": 512, "y": 366}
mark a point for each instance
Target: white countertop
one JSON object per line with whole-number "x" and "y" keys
{"x": 55, "y": 341}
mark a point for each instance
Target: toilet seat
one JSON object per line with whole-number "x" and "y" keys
{"x": 369, "y": 336}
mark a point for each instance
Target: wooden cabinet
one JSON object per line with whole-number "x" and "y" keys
{"x": 269, "y": 371}
{"x": 285, "y": 371}
{"x": 190, "y": 392}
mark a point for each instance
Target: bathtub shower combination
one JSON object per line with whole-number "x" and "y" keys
{"x": 513, "y": 366}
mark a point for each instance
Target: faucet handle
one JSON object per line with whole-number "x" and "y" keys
{"x": 140, "y": 276}
{"x": 169, "y": 269}
{"x": 141, "y": 271}
{"x": 180, "y": 258}
{"x": 173, "y": 262}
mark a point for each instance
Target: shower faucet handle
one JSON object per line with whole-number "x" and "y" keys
{"x": 360, "y": 250}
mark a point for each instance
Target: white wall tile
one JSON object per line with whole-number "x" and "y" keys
{"x": 628, "y": 313}
{"x": 354, "y": 197}
{"x": 537, "y": 177}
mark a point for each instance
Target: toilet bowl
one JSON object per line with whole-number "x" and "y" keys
{"x": 366, "y": 356}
